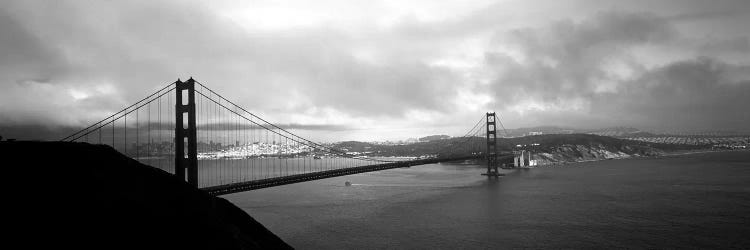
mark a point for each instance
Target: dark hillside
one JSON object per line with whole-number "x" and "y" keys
{"x": 76, "y": 195}
{"x": 546, "y": 142}
{"x": 549, "y": 148}
{"x": 590, "y": 139}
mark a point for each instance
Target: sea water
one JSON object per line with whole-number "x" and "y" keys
{"x": 687, "y": 201}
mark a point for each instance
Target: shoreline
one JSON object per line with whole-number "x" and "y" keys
{"x": 665, "y": 155}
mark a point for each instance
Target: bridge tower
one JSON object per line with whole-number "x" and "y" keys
{"x": 185, "y": 133}
{"x": 492, "y": 161}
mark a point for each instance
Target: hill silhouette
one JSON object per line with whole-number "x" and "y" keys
{"x": 548, "y": 143}
{"x": 77, "y": 195}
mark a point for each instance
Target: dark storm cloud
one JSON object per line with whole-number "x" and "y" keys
{"x": 704, "y": 10}
{"x": 589, "y": 63}
{"x": 693, "y": 94}
{"x": 731, "y": 46}
{"x": 68, "y": 63}
{"x": 566, "y": 59}
{"x": 137, "y": 47}
{"x": 23, "y": 54}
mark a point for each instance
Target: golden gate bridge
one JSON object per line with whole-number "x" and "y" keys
{"x": 189, "y": 130}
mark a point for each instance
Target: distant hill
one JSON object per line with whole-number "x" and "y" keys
{"x": 355, "y": 146}
{"x": 433, "y": 138}
{"x": 621, "y": 132}
{"x": 542, "y": 129}
{"x": 611, "y": 131}
{"x": 548, "y": 147}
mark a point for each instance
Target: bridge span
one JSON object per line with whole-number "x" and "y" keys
{"x": 191, "y": 131}
{"x": 291, "y": 179}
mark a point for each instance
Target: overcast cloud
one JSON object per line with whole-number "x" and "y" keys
{"x": 385, "y": 69}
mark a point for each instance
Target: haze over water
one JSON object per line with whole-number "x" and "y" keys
{"x": 699, "y": 200}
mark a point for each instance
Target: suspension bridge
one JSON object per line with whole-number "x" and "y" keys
{"x": 189, "y": 130}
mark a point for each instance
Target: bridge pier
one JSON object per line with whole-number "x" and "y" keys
{"x": 185, "y": 133}
{"x": 492, "y": 160}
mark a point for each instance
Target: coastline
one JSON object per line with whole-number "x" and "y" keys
{"x": 663, "y": 155}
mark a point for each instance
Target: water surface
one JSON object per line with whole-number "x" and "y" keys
{"x": 699, "y": 200}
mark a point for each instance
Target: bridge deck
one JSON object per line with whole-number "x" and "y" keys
{"x": 284, "y": 180}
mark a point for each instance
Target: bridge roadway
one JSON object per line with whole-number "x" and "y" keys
{"x": 285, "y": 180}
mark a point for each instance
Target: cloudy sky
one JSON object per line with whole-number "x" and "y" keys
{"x": 374, "y": 70}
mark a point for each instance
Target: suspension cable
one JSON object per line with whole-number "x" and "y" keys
{"x": 114, "y": 119}
{"x": 330, "y": 149}
{"x": 466, "y": 137}
{"x": 92, "y": 125}
{"x": 309, "y": 143}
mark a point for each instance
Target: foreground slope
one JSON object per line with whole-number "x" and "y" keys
{"x": 85, "y": 196}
